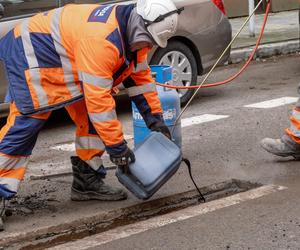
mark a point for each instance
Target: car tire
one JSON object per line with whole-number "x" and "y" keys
{"x": 178, "y": 54}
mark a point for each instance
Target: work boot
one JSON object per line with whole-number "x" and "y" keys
{"x": 2, "y": 213}
{"x": 278, "y": 147}
{"x": 88, "y": 184}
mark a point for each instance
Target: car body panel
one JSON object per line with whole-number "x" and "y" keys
{"x": 211, "y": 48}
{"x": 202, "y": 27}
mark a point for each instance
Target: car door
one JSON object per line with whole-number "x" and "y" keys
{"x": 14, "y": 11}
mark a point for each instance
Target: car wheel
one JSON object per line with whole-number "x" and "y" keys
{"x": 184, "y": 64}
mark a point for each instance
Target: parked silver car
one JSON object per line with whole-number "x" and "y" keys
{"x": 203, "y": 33}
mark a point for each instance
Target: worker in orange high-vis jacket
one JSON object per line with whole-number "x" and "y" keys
{"x": 74, "y": 57}
{"x": 289, "y": 143}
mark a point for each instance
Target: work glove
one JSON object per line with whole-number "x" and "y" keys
{"x": 162, "y": 128}
{"x": 123, "y": 159}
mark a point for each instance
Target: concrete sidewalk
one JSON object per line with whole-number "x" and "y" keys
{"x": 281, "y": 36}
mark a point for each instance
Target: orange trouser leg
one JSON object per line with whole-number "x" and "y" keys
{"x": 89, "y": 146}
{"x": 292, "y": 136}
{"x": 294, "y": 131}
{"x": 17, "y": 139}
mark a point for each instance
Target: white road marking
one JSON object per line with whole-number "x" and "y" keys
{"x": 128, "y": 137}
{"x": 201, "y": 119}
{"x": 186, "y": 122}
{"x": 160, "y": 221}
{"x": 273, "y": 103}
{"x": 70, "y": 147}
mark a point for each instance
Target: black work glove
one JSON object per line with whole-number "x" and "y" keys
{"x": 123, "y": 159}
{"x": 162, "y": 128}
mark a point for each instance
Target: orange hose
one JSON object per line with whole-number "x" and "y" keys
{"x": 240, "y": 71}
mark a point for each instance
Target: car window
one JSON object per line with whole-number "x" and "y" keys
{"x": 16, "y": 8}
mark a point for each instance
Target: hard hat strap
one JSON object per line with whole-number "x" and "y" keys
{"x": 163, "y": 17}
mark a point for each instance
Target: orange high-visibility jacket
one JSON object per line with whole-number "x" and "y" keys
{"x": 60, "y": 56}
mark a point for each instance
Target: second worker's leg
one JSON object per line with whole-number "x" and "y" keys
{"x": 289, "y": 143}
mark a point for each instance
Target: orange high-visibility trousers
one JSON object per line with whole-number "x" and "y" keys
{"x": 19, "y": 135}
{"x": 292, "y": 136}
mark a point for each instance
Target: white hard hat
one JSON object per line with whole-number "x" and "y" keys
{"x": 161, "y": 19}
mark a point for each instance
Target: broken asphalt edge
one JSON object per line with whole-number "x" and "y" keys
{"x": 103, "y": 221}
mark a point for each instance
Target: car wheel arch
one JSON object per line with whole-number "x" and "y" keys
{"x": 186, "y": 75}
{"x": 192, "y": 47}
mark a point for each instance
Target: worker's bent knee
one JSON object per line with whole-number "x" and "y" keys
{"x": 21, "y": 136}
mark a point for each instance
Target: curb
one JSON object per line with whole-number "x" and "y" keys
{"x": 265, "y": 50}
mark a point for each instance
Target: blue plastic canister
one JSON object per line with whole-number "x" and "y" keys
{"x": 150, "y": 171}
{"x": 170, "y": 102}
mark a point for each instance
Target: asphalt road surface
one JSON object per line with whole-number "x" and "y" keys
{"x": 221, "y": 134}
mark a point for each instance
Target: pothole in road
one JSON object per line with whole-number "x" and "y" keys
{"x": 124, "y": 216}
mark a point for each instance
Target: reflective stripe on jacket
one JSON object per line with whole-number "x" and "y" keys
{"x": 60, "y": 56}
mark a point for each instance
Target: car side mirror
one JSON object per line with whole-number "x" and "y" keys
{"x": 1, "y": 11}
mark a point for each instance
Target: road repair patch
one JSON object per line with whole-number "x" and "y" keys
{"x": 163, "y": 220}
